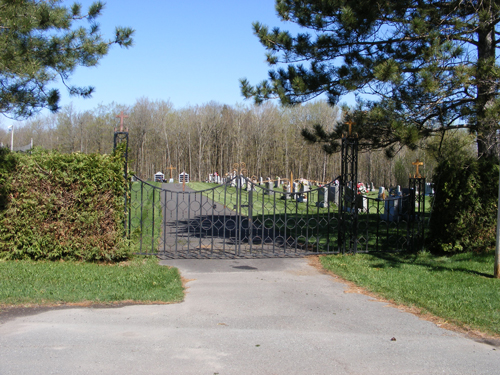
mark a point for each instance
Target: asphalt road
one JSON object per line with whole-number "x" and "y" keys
{"x": 272, "y": 316}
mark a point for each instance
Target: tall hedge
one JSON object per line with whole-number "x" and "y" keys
{"x": 62, "y": 206}
{"x": 465, "y": 207}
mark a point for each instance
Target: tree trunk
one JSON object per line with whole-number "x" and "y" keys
{"x": 486, "y": 124}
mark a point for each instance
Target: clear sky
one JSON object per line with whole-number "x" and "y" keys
{"x": 189, "y": 52}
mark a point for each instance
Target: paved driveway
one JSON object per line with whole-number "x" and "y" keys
{"x": 274, "y": 316}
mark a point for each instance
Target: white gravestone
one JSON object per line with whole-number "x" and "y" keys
{"x": 184, "y": 177}
{"x": 381, "y": 191}
{"x": 249, "y": 186}
{"x": 159, "y": 177}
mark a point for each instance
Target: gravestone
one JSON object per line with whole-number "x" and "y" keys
{"x": 381, "y": 192}
{"x": 269, "y": 187}
{"x": 322, "y": 198}
{"x": 159, "y": 177}
{"x": 362, "y": 203}
{"x": 333, "y": 194}
{"x": 286, "y": 189}
{"x": 184, "y": 177}
{"x": 303, "y": 189}
{"x": 349, "y": 198}
{"x": 392, "y": 207}
{"x": 295, "y": 186}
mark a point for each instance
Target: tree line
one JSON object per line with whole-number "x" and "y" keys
{"x": 208, "y": 138}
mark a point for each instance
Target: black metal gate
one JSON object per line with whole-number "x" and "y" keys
{"x": 239, "y": 218}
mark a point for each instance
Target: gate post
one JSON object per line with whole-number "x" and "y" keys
{"x": 416, "y": 215}
{"x": 240, "y": 169}
{"x": 348, "y": 204}
{"x": 121, "y": 136}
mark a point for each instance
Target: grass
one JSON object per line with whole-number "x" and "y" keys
{"x": 306, "y": 223}
{"x": 145, "y": 215}
{"x": 262, "y": 204}
{"x": 303, "y": 222}
{"x": 460, "y": 288}
{"x": 44, "y": 283}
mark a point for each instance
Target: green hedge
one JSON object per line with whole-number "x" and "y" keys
{"x": 465, "y": 208}
{"x": 62, "y": 206}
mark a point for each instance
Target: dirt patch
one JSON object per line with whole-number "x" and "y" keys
{"x": 493, "y": 340}
{"x": 184, "y": 284}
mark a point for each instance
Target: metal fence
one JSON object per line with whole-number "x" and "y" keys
{"x": 243, "y": 219}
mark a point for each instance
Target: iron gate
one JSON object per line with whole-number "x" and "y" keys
{"x": 241, "y": 218}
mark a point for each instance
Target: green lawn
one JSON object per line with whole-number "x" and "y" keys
{"x": 460, "y": 288}
{"x": 145, "y": 219}
{"x": 301, "y": 221}
{"x": 43, "y": 282}
{"x": 309, "y": 224}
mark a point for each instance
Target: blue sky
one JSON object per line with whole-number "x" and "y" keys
{"x": 189, "y": 52}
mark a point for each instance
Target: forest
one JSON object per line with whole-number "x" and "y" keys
{"x": 208, "y": 138}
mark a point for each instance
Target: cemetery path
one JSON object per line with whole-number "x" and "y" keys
{"x": 182, "y": 233}
{"x": 243, "y": 316}
{"x": 194, "y": 226}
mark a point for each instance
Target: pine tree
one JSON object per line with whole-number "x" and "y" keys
{"x": 41, "y": 41}
{"x": 432, "y": 65}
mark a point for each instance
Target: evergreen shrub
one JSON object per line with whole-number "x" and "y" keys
{"x": 465, "y": 204}
{"x": 62, "y": 206}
